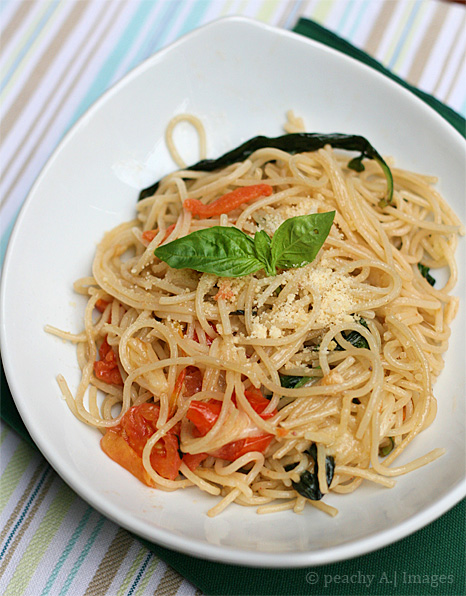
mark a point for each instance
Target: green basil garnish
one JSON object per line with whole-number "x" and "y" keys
{"x": 262, "y": 244}
{"x": 298, "y": 240}
{"x": 425, "y": 273}
{"x": 296, "y": 143}
{"x": 229, "y": 252}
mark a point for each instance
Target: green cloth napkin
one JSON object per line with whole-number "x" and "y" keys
{"x": 431, "y": 561}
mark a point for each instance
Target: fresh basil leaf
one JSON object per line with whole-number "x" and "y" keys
{"x": 425, "y": 273}
{"x": 262, "y": 243}
{"x": 298, "y": 239}
{"x": 223, "y": 251}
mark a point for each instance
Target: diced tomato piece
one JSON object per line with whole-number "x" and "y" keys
{"x": 236, "y": 449}
{"x": 165, "y": 458}
{"x": 229, "y": 201}
{"x": 194, "y": 460}
{"x": 107, "y": 374}
{"x": 149, "y": 235}
{"x": 192, "y": 381}
{"x": 139, "y": 424}
{"x": 101, "y": 304}
{"x": 204, "y": 414}
{"x": 126, "y": 441}
{"x": 259, "y": 402}
{"x": 106, "y": 369}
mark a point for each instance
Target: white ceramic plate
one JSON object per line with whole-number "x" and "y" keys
{"x": 240, "y": 77}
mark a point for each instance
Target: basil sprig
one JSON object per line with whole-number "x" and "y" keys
{"x": 229, "y": 252}
{"x": 296, "y": 143}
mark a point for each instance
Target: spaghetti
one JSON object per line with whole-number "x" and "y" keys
{"x": 270, "y": 390}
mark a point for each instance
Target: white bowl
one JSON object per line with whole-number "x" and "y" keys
{"x": 240, "y": 77}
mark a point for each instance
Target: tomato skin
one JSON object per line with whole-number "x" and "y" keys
{"x": 258, "y": 402}
{"x": 194, "y": 460}
{"x": 115, "y": 446}
{"x": 165, "y": 458}
{"x": 204, "y": 414}
{"x": 235, "y": 449}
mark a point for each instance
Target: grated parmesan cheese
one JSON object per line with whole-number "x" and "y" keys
{"x": 338, "y": 299}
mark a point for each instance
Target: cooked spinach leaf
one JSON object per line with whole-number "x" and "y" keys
{"x": 354, "y": 338}
{"x": 296, "y": 143}
{"x": 293, "y": 382}
{"x": 425, "y": 272}
{"x": 387, "y": 448}
{"x": 308, "y": 485}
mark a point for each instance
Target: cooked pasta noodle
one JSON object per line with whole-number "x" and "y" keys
{"x": 178, "y": 337}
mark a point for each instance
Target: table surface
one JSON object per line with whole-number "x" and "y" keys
{"x": 58, "y": 56}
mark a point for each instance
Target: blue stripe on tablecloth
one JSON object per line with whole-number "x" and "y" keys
{"x": 140, "y": 573}
{"x": 163, "y": 29}
{"x": 358, "y": 19}
{"x": 344, "y": 17}
{"x": 82, "y": 556}
{"x": 69, "y": 547}
{"x": 404, "y": 34}
{"x": 104, "y": 77}
{"x": 193, "y": 20}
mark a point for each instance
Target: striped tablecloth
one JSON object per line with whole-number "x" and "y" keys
{"x": 57, "y": 58}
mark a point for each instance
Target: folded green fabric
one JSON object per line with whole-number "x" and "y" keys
{"x": 431, "y": 561}
{"x": 322, "y": 35}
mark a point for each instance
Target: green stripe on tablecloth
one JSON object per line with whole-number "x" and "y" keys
{"x": 14, "y": 471}
{"x": 123, "y": 590}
